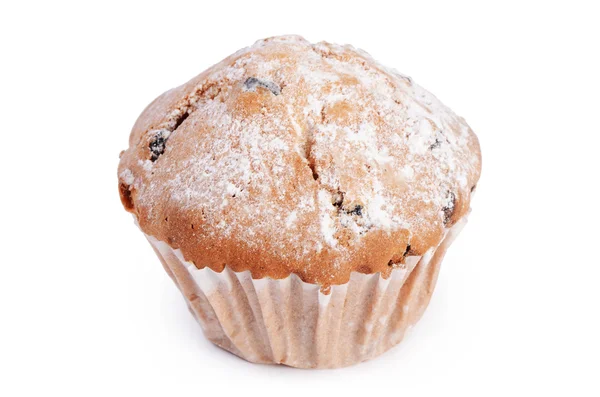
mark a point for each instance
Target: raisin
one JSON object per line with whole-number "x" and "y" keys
{"x": 252, "y": 82}
{"x": 157, "y": 146}
{"x": 448, "y": 209}
{"x": 338, "y": 202}
{"x": 357, "y": 210}
{"x": 436, "y": 144}
{"x": 338, "y": 199}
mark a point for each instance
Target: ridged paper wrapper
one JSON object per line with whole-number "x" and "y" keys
{"x": 288, "y": 321}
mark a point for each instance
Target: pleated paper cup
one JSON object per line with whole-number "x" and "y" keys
{"x": 291, "y": 322}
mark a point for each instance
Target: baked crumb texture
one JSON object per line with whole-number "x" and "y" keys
{"x": 297, "y": 158}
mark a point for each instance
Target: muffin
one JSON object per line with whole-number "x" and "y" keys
{"x": 302, "y": 197}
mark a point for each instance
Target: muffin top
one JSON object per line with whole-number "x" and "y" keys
{"x": 292, "y": 157}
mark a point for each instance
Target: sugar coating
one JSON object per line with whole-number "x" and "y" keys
{"x": 306, "y": 154}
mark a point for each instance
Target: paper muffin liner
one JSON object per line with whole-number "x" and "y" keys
{"x": 291, "y": 322}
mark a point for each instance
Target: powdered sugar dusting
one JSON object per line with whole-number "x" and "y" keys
{"x": 297, "y": 143}
{"x": 127, "y": 176}
{"x": 327, "y": 224}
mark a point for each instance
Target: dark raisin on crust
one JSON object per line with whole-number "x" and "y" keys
{"x": 448, "y": 209}
{"x": 338, "y": 199}
{"x": 356, "y": 211}
{"x": 252, "y": 82}
{"x": 338, "y": 202}
{"x": 436, "y": 144}
{"x": 157, "y": 146}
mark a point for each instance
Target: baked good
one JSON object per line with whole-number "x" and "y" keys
{"x": 302, "y": 197}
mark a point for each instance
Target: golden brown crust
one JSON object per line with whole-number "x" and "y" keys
{"x": 288, "y": 157}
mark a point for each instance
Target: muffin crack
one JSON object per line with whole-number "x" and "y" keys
{"x": 157, "y": 145}
{"x": 308, "y": 143}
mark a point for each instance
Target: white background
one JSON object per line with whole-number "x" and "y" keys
{"x": 86, "y": 308}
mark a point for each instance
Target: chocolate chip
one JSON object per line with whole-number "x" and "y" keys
{"x": 157, "y": 146}
{"x": 407, "y": 251}
{"x": 473, "y": 188}
{"x": 448, "y": 209}
{"x": 252, "y": 82}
